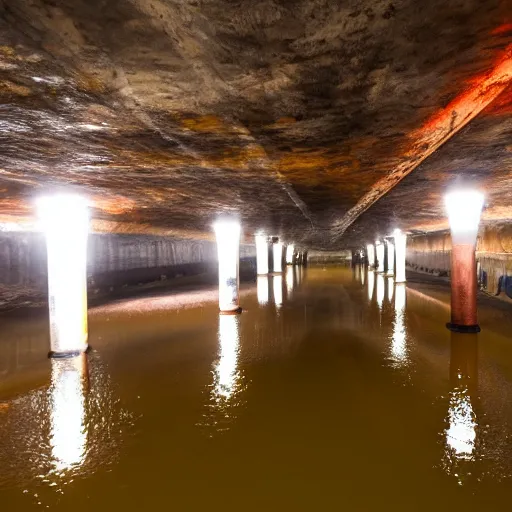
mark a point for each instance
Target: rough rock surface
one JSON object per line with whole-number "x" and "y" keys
{"x": 297, "y": 115}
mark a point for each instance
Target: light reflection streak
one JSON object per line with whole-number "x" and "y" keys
{"x": 68, "y": 437}
{"x": 381, "y": 284}
{"x": 390, "y": 283}
{"x": 461, "y": 433}
{"x": 289, "y": 281}
{"x": 371, "y": 284}
{"x": 398, "y": 341}
{"x": 262, "y": 290}
{"x": 278, "y": 291}
{"x": 226, "y": 372}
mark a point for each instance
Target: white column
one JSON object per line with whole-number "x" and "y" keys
{"x": 277, "y": 251}
{"x": 400, "y": 248}
{"x": 65, "y": 221}
{"x": 228, "y": 247}
{"x": 261, "y": 254}
{"x": 370, "y": 253}
{"x": 379, "y": 248}
{"x": 391, "y": 257}
{"x": 290, "y": 249}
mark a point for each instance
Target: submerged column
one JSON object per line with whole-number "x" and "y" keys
{"x": 379, "y": 249}
{"x": 227, "y": 233}
{"x": 65, "y": 222}
{"x": 464, "y": 209}
{"x": 400, "y": 250}
{"x": 261, "y": 254}
{"x": 277, "y": 254}
{"x": 391, "y": 258}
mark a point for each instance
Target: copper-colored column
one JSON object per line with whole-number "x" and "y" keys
{"x": 464, "y": 289}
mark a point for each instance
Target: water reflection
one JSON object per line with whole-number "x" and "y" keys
{"x": 371, "y": 284}
{"x": 398, "y": 340}
{"x": 262, "y": 290}
{"x": 461, "y": 433}
{"x": 226, "y": 372}
{"x": 381, "y": 284}
{"x": 390, "y": 283}
{"x": 278, "y": 290}
{"x": 68, "y": 436}
{"x": 289, "y": 281}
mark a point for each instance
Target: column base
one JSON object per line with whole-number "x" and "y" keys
{"x": 463, "y": 328}
{"x": 68, "y": 353}
{"x": 232, "y": 312}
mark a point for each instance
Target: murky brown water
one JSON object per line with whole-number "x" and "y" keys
{"x": 326, "y": 394}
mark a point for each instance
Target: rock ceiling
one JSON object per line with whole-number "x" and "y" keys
{"x": 326, "y": 122}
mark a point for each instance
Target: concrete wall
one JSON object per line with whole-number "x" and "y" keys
{"x": 432, "y": 253}
{"x": 113, "y": 261}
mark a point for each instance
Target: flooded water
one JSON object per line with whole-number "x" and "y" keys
{"x": 335, "y": 389}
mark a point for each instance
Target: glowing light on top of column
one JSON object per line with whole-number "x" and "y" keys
{"x": 464, "y": 208}
{"x": 63, "y": 211}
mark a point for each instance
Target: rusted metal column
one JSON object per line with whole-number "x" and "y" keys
{"x": 464, "y": 289}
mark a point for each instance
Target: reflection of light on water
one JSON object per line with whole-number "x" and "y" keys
{"x": 390, "y": 289}
{"x": 226, "y": 373}
{"x": 278, "y": 290}
{"x": 68, "y": 434}
{"x": 380, "y": 290}
{"x": 398, "y": 342}
{"x": 262, "y": 289}
{"x": 289, "y": 281}
{"x": 461, "y": 434}
{"x": 371, "y": 283}
{"x": 362, "y": 275}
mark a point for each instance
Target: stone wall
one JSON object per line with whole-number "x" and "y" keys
{"x": 113, "y": 261}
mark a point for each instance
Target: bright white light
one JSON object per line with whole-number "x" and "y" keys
{"x": 65, "y": 222}
{"x": 400, "y": 252}
{"x": 226, "y": 372}
{"x": 290, "y": 249}
{"x": 278, "y": 290}
{"x": 379, "y": 247}
{"x": 398, "y": 342}
{"x": 261, "y": 254}
{"x": 370, "y": 251}
{"x": 278, "y": 257}
{"x": 289, "y": 281}
{"x": 262, "y": 289}
{"x": 461, "y": 434}
{"x": 464, "y": 208}
{"x": 390, "y": 289}
{"x": 381, "y": 284}
{"x": 227, "y": 233}
{"x": 391, "y": 257}
{"x": 68, "y": 437}
{"x": 371, "y": 284}
{"x": 363, "y": 272}
{"x": 93, "y": 127}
